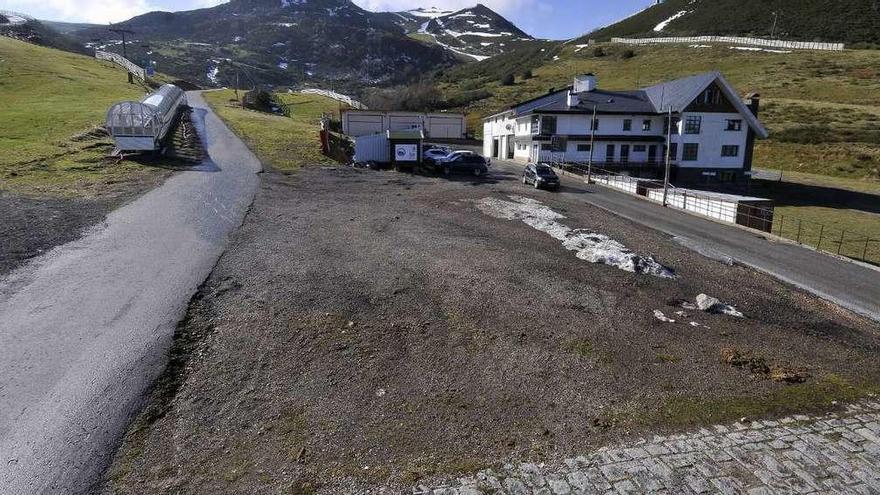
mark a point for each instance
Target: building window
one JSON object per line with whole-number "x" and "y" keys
{"x": 646, "y": 125}
{"x": 583, "y": 148}
{"x": 595, "y": 125}
{"x": 609, "y": 153}
{"x": 675, "y": 121}
{"x": 692, "y": 124}
{"x": 639, "y": 148}
{"x": 734, "y": 125}
{"x": 728, "y": 176}
{"x": 673, "y": 152}
{"x": 627, "y": 124}
{"x": 536, "y": 125}
{"x": 730, "y": 150}
{"x": 548, "y": 125}
{"x": 710, "y": 97}
{"x": 690, "y": 152}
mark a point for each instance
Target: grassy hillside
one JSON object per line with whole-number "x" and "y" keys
{"x": 848, "y": 21}
{"x": 283, "y": 143}
{"x": 49, "y": 97}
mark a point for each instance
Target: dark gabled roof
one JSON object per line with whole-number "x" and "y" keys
{"x": 679, "y": 93}
{"x": 658, "y": 99}
{"x": 616, "y": 101}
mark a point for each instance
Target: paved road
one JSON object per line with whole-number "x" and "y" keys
{"x": 86, "y": 328}
{"x": 836, "y": 453}
{"x": 851, "y": 285}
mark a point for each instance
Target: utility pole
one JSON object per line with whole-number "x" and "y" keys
{"x": 668, "y": 146}
{"x": 592, "y": 144}
{"x": 773, "y": 29}
{"x": 123, "y": 31}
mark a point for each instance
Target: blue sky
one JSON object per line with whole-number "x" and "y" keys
{"x": 557, "y": 19}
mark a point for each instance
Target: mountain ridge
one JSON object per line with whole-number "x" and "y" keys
{"x": 850, "y": 21}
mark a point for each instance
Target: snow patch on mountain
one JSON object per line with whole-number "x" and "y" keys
{"x": 660, "y": 27}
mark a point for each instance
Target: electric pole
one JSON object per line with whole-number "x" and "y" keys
{"x": 123, "y": 31}
{"x": 773, "y": 29}
{"x": 592, "y": 144}
{"x": 668, "y": 146}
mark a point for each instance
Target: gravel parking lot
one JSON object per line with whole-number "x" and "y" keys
{"x": 372, "y": 329}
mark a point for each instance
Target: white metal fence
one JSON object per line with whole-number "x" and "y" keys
{"x": 336, "y": 96}
{"x": 125, "y": 63}
{"x": 734, "y": 40}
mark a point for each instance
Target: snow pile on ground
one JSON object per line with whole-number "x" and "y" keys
{"x": 662, "y": 25}
{"x": 711, "y": 304}
{"x": 213, "y": 71}
{"x": 660, "y": 316}
{"x": 588, "y": 246}
{"x": 754, "y": 49}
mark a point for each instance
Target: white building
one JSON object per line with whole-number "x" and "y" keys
{"x": 442, "y": 125}
{"x": 712, "y": 139}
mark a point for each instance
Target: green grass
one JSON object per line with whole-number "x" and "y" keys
{"x": 283, "y": 143}
{"x": 803, "y": 398}
{"x": 49, "y": 96}
{"x": 820, "y": 211}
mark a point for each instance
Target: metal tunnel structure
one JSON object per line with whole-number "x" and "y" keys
{"x": 143, "y": 125}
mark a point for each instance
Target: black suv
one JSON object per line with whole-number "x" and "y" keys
{"x": 541, "y": 176}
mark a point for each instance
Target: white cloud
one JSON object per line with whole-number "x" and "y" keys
{"x": 500, "y": 6}
{"x": 98, "y": 11}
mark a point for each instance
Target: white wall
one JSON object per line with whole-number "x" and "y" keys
{"x": 713, "y": 135}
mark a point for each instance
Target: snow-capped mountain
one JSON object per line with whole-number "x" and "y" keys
{"x": 477, "y": 32}
{"x": 333, "y": 43}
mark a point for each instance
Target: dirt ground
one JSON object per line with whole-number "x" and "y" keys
{"x": 31, "y": 225}
{"x": 371, "y": 329}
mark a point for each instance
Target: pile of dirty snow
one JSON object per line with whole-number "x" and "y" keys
{"x": 588, "y": 246}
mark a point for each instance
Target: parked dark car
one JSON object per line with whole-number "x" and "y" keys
{"x": 540, "y": 176}
{"x": 468, "y": 163}
{"x": 431, "y": 156}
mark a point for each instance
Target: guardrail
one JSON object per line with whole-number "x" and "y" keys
{"x": 822, "y": 237}
{"x": 123, "y": 62}
{"x": 734, "y": 40}
{"x": 336, "y": 96}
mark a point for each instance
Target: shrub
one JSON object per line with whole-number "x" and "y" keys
{"x": 627, "y": 54}
{"x": 508, "y": 80}
{"x": 598, "y": 52}
{"x": 527, "y": 74}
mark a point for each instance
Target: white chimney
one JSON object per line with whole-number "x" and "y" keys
{"x": 584, "y": 83}
{"x": 573, "y": 99}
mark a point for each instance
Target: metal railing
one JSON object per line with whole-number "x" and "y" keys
{"x": 123, "y": 62}
{"x": 820, "y": 236}
{"x": 735, "y": 40}
{"x": 336, "y": 96}
{"x": 828, "y": 238}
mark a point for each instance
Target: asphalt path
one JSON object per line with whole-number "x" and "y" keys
{"x": 854, "y": 286}
{"x": 85, "y": 329}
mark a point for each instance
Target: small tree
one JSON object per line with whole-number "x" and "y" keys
{"x": 627, "y": 54}
{"x": 527, "y": 74}
{"x": 598, "y": 52}
{"x": 508, "y": 80}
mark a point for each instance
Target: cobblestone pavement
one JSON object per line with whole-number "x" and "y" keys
{"x": 836, "y": 453}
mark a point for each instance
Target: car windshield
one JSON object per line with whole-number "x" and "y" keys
{"x": 545, "y": 172}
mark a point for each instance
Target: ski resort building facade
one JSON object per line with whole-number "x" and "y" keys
{"x": 712, "y": 137}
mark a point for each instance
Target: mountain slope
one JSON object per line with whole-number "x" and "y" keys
{"x": 477, "y": 32}
{"x": 327, "y": 42}
{"x": 848, "y": 21}
{"x": 24, "y": 28}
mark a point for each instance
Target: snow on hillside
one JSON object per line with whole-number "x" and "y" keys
{"x": 660, "y": 27}
{"x": 431, "y": 13}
